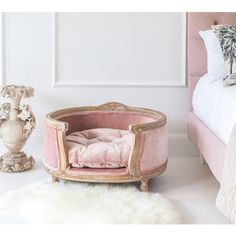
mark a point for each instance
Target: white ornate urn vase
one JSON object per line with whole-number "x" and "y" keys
{"x": 16, "y": 124}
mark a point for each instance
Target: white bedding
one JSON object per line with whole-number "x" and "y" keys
{"x": 215, "y": 105}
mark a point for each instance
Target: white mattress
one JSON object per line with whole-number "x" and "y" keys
{"x": 215, "y": 105}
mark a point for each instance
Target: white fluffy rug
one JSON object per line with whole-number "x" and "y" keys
{"x": 81, "y": 203}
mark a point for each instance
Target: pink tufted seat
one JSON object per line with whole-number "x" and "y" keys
{"x": 99, "y": 148}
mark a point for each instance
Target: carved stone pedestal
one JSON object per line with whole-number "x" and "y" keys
{"x": 16, "y": 162}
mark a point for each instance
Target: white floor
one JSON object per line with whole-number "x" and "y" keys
{"x": 186, "y": 182}
{"x": 193, "y": 188}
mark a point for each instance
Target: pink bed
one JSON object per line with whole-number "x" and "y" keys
{"x": 210, "y": 146}
{"x": 110, "y": 143}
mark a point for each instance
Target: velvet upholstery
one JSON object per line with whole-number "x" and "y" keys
{"x": 141, "y": 136}
{"x": 209, "y": 145}
{"x": 99, "y": 148}
{"x": 50, "y": 147}
{"x": 104, "y": 119}
{"x": 154, "y": 149}
{"x": 100, "y": 171}
{"x": 154, "y": 141}
{"x": 212, "y": 148}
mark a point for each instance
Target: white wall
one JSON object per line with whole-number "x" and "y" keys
{"x": 135, "y": 58}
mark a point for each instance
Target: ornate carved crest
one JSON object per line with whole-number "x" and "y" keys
{"x": 112, "y": 106}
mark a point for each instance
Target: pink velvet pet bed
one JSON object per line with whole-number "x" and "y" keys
{"x": 107, "y": 143}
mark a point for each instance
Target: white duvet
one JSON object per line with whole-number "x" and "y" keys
{"x": 215, "y": 105}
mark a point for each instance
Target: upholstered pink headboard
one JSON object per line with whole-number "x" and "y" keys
{"x": 196, "y": 52}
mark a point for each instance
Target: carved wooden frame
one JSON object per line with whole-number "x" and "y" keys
{"x": 133, "y": 173}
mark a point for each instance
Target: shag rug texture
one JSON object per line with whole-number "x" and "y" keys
{"x": 82, "y": 203}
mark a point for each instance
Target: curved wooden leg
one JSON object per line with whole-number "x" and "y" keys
{"x": 54, "y": 179}
{"x": 144, "y": 185}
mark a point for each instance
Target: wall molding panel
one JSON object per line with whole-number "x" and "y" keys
{"x": 37, "y": 49}
{"x": 62, "y": 76}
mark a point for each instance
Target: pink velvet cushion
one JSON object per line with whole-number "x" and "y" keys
{"x": 99, "y": 148}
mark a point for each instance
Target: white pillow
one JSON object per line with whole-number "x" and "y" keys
{"x": 215, "y": 59}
